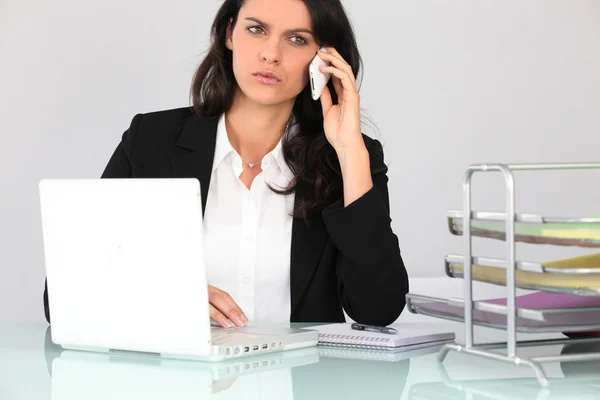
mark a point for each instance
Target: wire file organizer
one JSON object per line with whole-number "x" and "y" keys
{"x": 511, "y": 227}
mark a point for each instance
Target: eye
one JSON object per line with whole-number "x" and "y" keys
{"x": 300, "y": 41}
{"x": 255, "y": 29}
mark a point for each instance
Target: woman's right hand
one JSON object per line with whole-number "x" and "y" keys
{"x": 223, "y": 309}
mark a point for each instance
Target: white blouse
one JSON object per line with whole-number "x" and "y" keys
{"x": 248, "y": 233}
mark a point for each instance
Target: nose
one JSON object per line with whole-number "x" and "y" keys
{"x": 271, "y": 52}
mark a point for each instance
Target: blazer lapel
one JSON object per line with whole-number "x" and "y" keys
{"x": 199, "y": 135}
{"x": 308, "y": 242}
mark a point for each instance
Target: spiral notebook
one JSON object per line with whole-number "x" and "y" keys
{"x": 407, "y": 338}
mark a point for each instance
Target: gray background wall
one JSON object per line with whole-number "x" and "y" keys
{"x": 448, "y": 84}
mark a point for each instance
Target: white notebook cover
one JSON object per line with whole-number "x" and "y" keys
{"x": 344, "y": 335}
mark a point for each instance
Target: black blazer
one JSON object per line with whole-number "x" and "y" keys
{"x": 346, "y": 257}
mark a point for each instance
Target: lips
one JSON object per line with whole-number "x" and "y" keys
{"x": 267, "y": 77}
{"x": 267, "y": 74}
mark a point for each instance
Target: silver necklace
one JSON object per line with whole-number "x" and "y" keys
{"x": 251, "y": 165}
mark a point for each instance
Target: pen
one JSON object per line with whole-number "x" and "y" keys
{"x": 372, "y": 328}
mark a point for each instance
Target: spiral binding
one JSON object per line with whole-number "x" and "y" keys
{"x": 354, "y": 341}
{"x": 354, "y": 346}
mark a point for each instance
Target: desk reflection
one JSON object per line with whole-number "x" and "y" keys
{"x": 298, "y": 374}
{"x": 581, "y": 381}
{"x": 88, "y": 375}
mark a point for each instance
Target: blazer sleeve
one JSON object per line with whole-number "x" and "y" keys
{"x": 372, "y": 278}
{"x": 119, "y": 166}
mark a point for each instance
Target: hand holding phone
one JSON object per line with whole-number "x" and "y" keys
{"x": 318, "y": 79}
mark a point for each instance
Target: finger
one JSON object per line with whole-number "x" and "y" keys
{"x": 348, "y": 85}
{"x": 339, "y": 88}
{"x": 336, "y": 60}
{"x": 332, "y": 50}
{"x": 326, "y": 101}
{"x": 219, "y": 318}
{"x": 223, "y": 302}
{"x": 332, "y": 55}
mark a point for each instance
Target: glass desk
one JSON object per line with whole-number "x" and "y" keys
{"x": 32, "y": 367}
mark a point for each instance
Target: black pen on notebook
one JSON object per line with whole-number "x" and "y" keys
{"x": 372, "y": 328}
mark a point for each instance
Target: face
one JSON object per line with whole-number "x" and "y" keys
{"x": 272, "y": 47}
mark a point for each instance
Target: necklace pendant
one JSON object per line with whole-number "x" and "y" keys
{"x": 251, "y": 165}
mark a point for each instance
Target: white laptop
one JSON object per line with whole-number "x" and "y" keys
{"x": 80, "y": 375}
{"x": 125, "y": 271}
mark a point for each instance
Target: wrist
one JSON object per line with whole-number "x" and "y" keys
{"x": 356, "y": 172}
{"x": 357, "y": 154}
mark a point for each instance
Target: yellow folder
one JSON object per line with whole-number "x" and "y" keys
{"x": 549, "y": 281}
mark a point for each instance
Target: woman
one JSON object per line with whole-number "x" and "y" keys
{"x": 295, "y": 198}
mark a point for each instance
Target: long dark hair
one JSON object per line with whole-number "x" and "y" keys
{"x": 308, "y": 154}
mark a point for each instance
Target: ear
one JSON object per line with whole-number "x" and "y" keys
{"x": 228, "y": 35}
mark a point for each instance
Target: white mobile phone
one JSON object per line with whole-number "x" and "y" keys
{"x": 318, "y": 79}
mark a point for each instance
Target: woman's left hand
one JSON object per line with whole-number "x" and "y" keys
{"x": 341, "y": 121}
